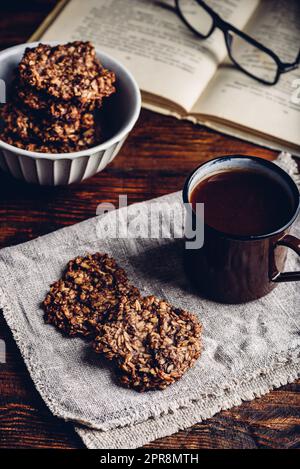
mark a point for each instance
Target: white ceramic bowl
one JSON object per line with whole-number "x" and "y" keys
{"x": 122, "y": 110}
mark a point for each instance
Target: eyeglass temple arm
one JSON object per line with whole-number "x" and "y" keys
{"x": 287, "y": 67}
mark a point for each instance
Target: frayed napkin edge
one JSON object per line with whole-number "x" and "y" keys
{"x": 285, "y": 360}
{"x": 135, "y": 436}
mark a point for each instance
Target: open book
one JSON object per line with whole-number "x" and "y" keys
{"x": 184, "y": 76}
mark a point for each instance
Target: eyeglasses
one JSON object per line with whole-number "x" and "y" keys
{"x": 248, "y": 55}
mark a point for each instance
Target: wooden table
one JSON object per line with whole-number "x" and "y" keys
{"x": 156, "y": 159}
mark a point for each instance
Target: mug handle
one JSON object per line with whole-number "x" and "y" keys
{"x": 293, "y": 243}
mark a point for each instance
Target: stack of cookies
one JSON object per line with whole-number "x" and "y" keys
{"x": 151, "y": 342}
{"x": 54, "y": 99}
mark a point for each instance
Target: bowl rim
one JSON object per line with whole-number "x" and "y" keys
{"x": 117, "y": 138}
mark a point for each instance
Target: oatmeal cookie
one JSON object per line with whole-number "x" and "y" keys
{"x": 65, "y": 132}
{"x": 44, "y": 147}
{"x": 87, "y": 294}
{"x": 14, "y": 121}
{"x": 39, "y": 101}
{"x": 56, "y": 93}
{"x": 67, "y": 72}
{"x": 39, "y": 134}
{"x": 153, "y": 343}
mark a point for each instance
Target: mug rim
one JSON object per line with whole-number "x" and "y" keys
{"x": 272, "y": 166}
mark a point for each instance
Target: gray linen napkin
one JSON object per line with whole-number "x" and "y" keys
{"x": 248, "y": 349}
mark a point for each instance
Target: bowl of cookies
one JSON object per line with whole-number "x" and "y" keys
{"x": 68, "y": 109}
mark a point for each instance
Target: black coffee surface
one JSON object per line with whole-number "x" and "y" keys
{"x": 243, "y": 202}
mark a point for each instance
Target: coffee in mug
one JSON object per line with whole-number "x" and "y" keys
{"x": 250, "y": 205}
{"x": 243, "y": 202}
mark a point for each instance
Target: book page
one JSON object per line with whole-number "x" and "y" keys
{"x": 166, "y": 58}
{"x": 274, "y": 110}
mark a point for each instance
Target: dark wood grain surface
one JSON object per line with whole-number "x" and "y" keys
{"x": 156, "y": 159}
